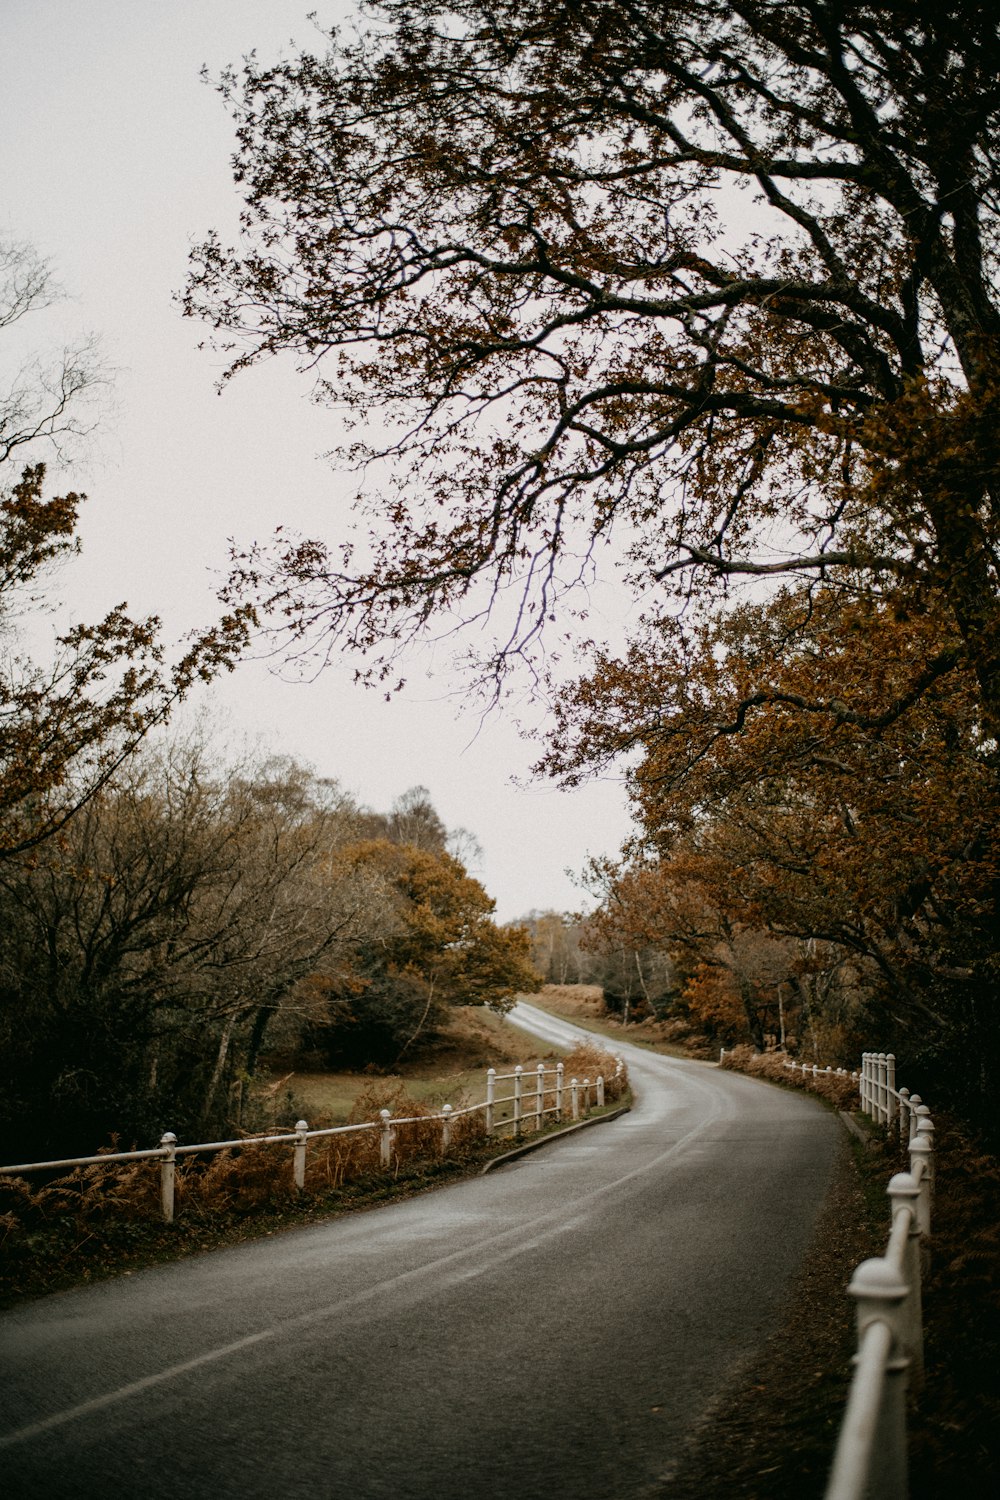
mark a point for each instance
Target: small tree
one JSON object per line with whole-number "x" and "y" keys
{"x": 65, "y": 727}
{"x": 438, "y": 946}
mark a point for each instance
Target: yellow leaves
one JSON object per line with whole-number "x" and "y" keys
{"x": 713, "y": 1000}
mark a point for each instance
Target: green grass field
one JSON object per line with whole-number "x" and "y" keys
{"x": 453, "y": 1073}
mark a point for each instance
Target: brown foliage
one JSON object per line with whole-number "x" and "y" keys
{"x": 568, "y": 336}
{"x": 689, "y": 273}
{"x": 813, "y": 778}
{"x": 66, "y": 728}
{"x": 839, "y": 1088}
{"x": 589, "y": 1060}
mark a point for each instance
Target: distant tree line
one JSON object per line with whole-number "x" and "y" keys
{"x": 195, "y": 919}
{"x": 637, "y": 978}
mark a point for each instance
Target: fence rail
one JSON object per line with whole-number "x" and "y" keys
{"x": 870, "y": 1460}
{"x": 531, "y": 1104}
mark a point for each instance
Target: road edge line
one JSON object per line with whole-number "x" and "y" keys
{"x": 546, "y": 1140}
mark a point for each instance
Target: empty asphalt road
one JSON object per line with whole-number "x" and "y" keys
{"x": 551, "y": 1330}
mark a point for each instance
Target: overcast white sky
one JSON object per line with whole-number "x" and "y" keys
{"x": 113, "y": 160}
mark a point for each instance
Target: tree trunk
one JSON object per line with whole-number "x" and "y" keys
{"x": 220, "y": 1063}
{"x": 261, "y": 1021}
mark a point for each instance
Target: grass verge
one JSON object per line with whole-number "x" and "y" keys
{"x": 584, "y": 1005}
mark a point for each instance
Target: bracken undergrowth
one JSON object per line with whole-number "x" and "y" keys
{"x": 96, "y": 1220}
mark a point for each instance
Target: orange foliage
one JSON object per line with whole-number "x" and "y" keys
{"x": 714, "y": 1003}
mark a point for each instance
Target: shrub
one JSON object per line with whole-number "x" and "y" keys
{"x": 839, "y": 1088}
{"x": 587, "y": 1060}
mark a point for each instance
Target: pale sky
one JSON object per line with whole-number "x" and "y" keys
{"x": 114, "y": 159}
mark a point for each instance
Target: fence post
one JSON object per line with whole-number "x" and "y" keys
{"x": 879, "y": 1292}
{"x": 574, "y": 1094}
{"x": 559, "y": 1090}
{"x": 914, "y": 1106}
{"x": 168, "y": 1168}
{"x": 890, "y": 1088}
{"x": 600, "y": 1090}
{"x": 925, "y": 1128}
{"x": 722, "y": 1053}
{"x": 921, "y": 1165}
{"x": 904, "y": 1115}
{"x": 445, "y": 1128}
{"x": 904, "y": 1194}
{"x": 539, "y": 1094}
{"x": 385, "y": 1144}
{"x": 491, "y": 1083}
{"x": 518, "y": 1073}
{"x": 299, "y": 1154}
{"x": 883, "y": 1063}
{"x": 876, "y": 1089}
{"x": 586, "y": 1096}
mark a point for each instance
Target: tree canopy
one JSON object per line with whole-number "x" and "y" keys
{"x": 782, "y": 789}
{"x": 719, "y": 276}
{"x": 437, "y": 945}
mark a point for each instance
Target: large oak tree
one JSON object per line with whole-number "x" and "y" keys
{"x": 715, "y": 280}
{"x": 717, "y": 273}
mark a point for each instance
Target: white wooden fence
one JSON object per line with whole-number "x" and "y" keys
{"x": 813, "y": 1071}
{"x": 536, "y": 1094}
{"x": 870, "y": 1459}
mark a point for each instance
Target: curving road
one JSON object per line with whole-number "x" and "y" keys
{"x": 552, "y": 1329}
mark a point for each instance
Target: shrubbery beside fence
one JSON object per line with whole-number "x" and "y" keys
{"x": 836, "y": 1085}
{"x": 330, "y": 1156}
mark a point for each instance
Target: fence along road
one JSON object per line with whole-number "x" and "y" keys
{"x": 554, "y": 1328}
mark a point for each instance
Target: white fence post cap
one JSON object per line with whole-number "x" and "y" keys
{"x": 903, "y": 1185}
{"x": 876, "y": 1280}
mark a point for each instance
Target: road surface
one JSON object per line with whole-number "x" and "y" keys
{"x": 553, "y": 1329}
